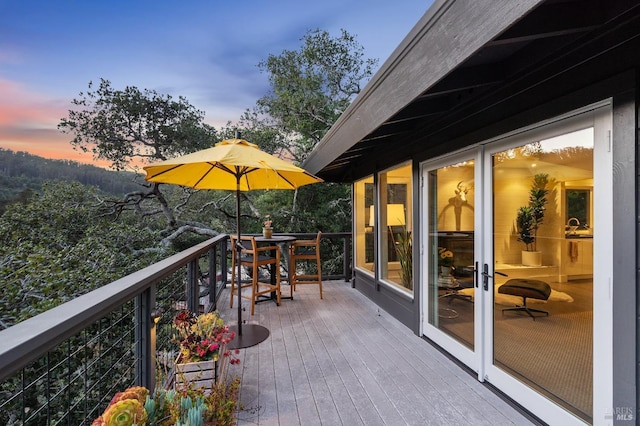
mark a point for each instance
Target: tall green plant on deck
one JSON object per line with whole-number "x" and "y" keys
{"x": 530, "y": 217}
{"x": 404, "y": 249}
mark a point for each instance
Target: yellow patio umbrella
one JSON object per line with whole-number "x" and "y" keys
{"x": 233, "y": 164}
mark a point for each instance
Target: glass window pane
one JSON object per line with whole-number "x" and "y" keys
{"x": 549, "y": 251}
{"x": 395, "y": 226}
{"x": 451, "y": 251}
{"x": 363, "y": 226}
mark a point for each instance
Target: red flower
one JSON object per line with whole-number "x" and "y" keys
{"x": 202, "y": 337}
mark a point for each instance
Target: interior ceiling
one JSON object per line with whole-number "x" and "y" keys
{"x": 549, "y": 31}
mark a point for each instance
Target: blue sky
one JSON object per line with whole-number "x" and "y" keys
{"x": 207, "y": 51}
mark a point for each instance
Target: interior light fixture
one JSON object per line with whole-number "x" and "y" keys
{"x": 395, "y": 215}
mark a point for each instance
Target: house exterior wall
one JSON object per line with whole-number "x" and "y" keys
{"x": 400, "y": 306}
{"x": 594, "y": 69}
{"x": 626, "y": 178}
{"x": 626, "y": 303}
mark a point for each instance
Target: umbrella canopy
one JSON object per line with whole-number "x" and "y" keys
{"x": 232, "y": 164}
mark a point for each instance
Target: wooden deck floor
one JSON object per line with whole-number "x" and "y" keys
{"x": 341, "y": 361}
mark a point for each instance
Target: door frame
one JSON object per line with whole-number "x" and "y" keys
{"x": 480, "y": 359}
{"x": 599, "y": 116}
{"x": 469, "y": 357}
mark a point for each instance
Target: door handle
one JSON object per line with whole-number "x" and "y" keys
{"x": 486, "y": 276}
{"x": 475, "y": 272}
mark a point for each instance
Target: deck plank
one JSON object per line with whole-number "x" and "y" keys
{"x": 343, "y": 361}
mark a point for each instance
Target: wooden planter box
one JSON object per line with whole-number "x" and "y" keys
{"x": 198, "y": 375}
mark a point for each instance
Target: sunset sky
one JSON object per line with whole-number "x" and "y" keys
{"x": 204, "y": 50}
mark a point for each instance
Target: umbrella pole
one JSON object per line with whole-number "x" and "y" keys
{"x": 238, "y": 254}
{"x": 253, "y": 333}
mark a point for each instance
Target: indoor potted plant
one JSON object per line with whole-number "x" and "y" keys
{"x": 530, "y": 217}
{"x": 445, "y": 261}
{"x": 404, "y": 250}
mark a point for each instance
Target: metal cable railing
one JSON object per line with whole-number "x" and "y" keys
{"x": 63, "y": 366}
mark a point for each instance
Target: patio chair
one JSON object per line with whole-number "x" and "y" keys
{"x": 253, "y": 257}
{"x": 306, "y": 251}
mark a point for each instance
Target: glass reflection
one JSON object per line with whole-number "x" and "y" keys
{"x": 553, "y": 353}
{"x": 451, "y": 251}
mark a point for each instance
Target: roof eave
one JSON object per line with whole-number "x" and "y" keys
{"x": 437, "y": 44}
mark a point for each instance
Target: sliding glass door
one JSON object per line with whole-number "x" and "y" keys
{"x": 451, "y": 255}
{"x": 511, "y": 232}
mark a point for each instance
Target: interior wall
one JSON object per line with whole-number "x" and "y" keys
{"x": 507, "y": 247}
{"x": 452, "y": 183}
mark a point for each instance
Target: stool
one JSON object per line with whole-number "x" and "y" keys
{"x": 305, "y": 250}
{"x": 533, "y": 289}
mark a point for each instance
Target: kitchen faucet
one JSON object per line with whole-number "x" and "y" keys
{"x": 572, "y": 228}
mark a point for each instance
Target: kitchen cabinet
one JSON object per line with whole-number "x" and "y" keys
{"x": 577, "y": 258}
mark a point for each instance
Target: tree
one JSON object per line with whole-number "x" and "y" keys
{"x": 311, "y": 87}
{"x": 130, "y": 125}
{"x": 55, "y": 247}
{"x": 124, "y": 125}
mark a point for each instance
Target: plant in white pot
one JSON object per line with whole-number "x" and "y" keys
{"x": 530, "y": 218}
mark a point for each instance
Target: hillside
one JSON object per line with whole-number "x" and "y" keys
{"x": 20, "y": 172}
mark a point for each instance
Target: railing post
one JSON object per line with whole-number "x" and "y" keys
{"x": 347, "y": 259}
{"x": 224, "y": 255}
{"x": 193, "y": 289}
{"x": 146, "y": 338}
{"x": 213, "y": 278}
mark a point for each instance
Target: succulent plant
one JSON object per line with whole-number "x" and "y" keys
{"x": 125, "y": 412}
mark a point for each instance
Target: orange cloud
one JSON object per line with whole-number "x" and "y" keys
{"x": 28, "y": 122}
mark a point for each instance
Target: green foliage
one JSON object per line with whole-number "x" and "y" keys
{"x": 323, "y": 207}
{"x": 525, "y": 225}
{"x": 23, "y": 174}
{"x": 312, "y": 86}
{"x": 530, "y": 217}
{"x": 68, "y": 240}
{"x": 404, "y": 249}
{"x": 56, "y": 247}
{"x": 217, "y": 405}
{"x": 123, "y": 125}
{"x": 310, "y": 89}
